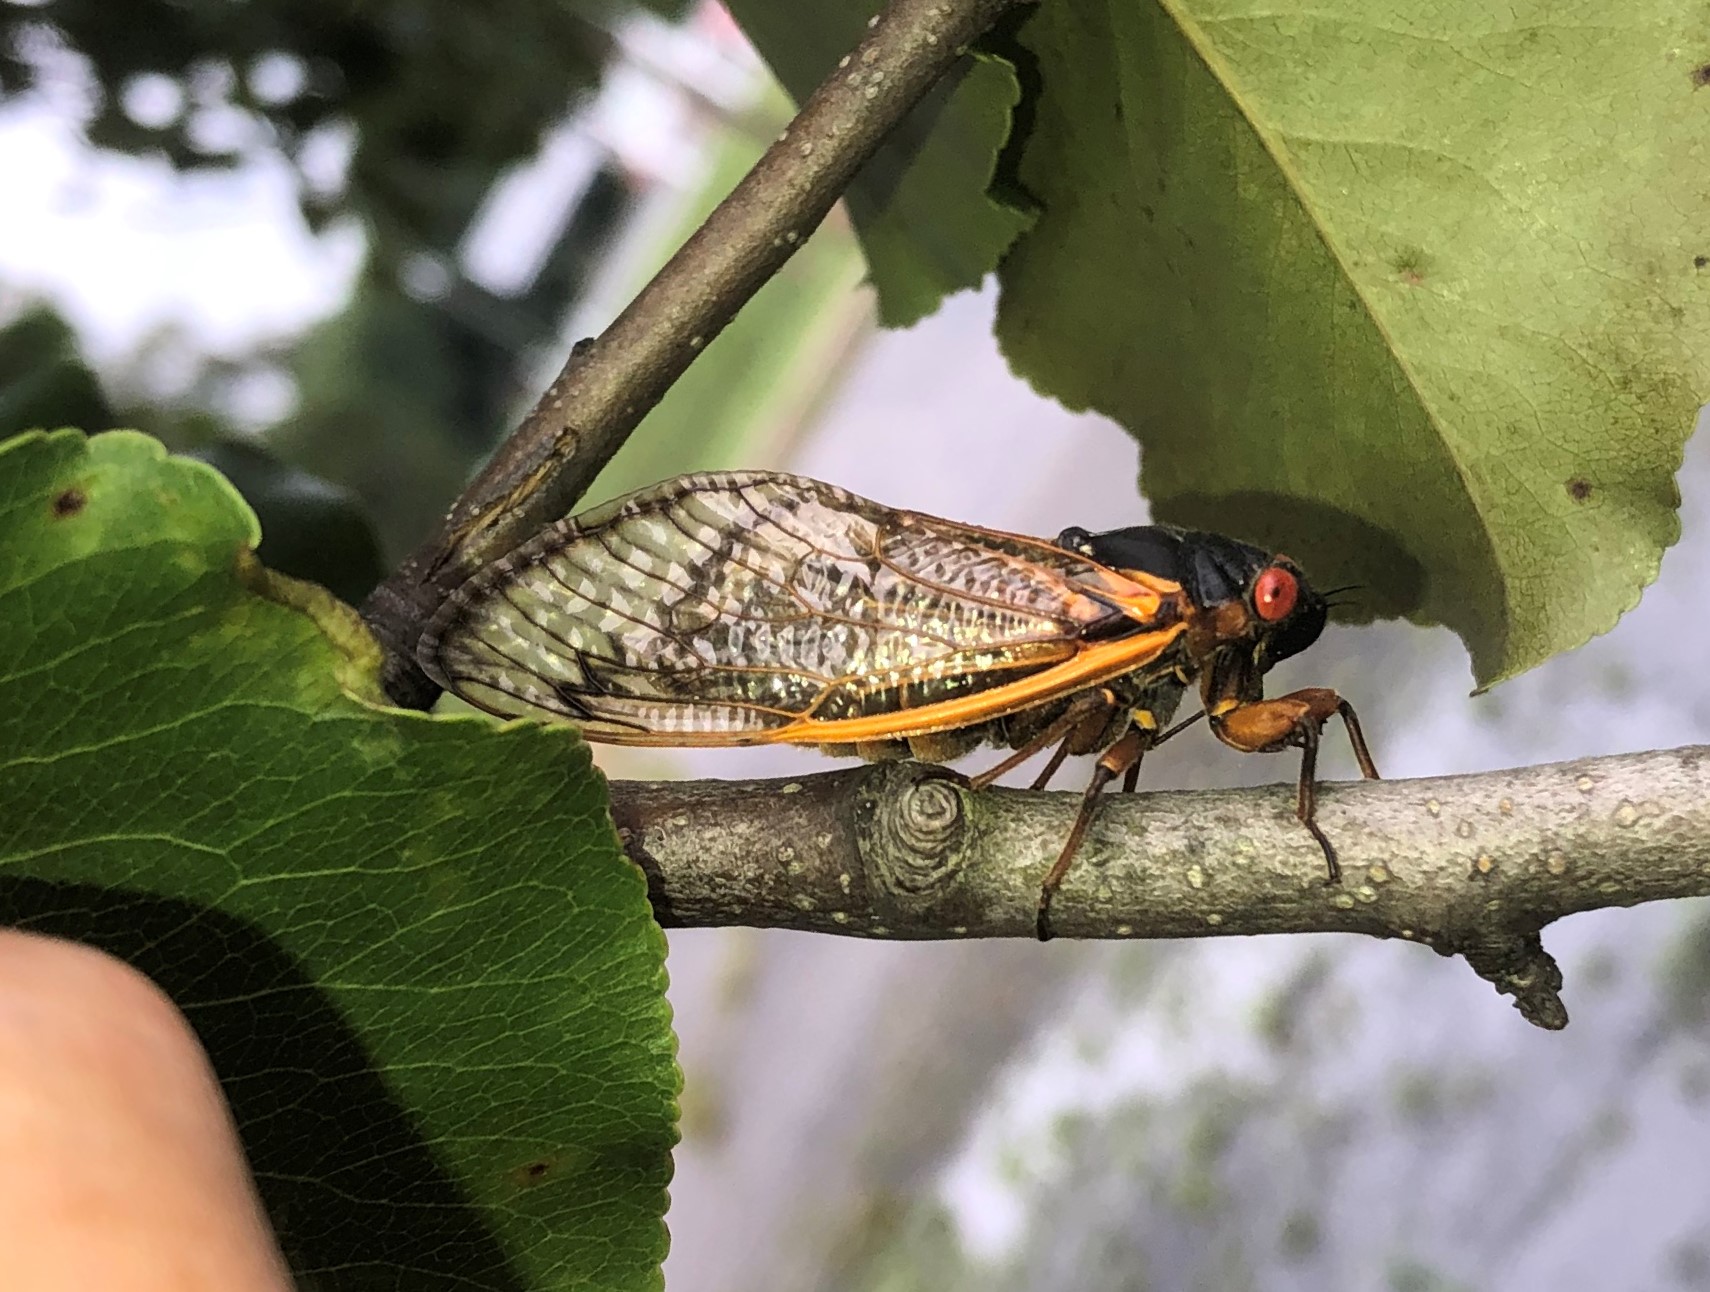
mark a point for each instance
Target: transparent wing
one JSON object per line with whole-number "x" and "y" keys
{"x": 748, "y": 607}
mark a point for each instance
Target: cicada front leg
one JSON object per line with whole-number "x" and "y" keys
{"x": 1297, "y": 720}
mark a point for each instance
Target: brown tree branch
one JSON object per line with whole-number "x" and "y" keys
{"x": 609, "y": 384}
{"x": 1468, "y": 865}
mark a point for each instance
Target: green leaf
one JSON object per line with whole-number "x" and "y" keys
{"x": 428, "y": 978}
{"x": 922, "y": 207}
{"x": 1416, "y": 293}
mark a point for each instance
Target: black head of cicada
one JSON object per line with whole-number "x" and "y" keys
{"x": 1286, "y": 613}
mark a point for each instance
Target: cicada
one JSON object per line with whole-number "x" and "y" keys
{"x": 753, "y": 608}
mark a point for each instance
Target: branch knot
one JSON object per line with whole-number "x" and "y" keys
{"x": 911, "y": 827}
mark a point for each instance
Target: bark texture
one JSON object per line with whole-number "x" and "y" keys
{"x": 1474, "y": 866}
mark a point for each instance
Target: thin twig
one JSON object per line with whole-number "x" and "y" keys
{"x": 1468, "y": 865}
{"x": 609, "y": 384}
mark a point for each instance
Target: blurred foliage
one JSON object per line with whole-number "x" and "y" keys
{"x": 399, "y": 398}
{"x": 404, "y": 391}
{"x": 440, "y": 95}
{"x": 312, "y": 529}
{"x": 43, "y": 379}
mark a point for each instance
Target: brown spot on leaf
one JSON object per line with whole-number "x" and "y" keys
{"x": 1701, "y": 76}
{"x": 1579, "y": 489}
{"x": 532, "y": 1173}
{"x": 1698, "y": 262}
{"x": 69, "y": 503}
{"x": 1412, "y": 277}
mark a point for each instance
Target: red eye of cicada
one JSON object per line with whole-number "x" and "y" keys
{"x": 1274, "y": 594}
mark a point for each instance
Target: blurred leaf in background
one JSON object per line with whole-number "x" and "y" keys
{"x": 928, "y": 210}
{"x": 309, "y": 529}
{"x": 402, "y": 116}
{"x": 43, "y": 378}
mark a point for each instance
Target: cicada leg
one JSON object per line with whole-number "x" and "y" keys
{"x": 1089, "y": 712}
{"x": 1124, "y": 757}
{"x": 1095, "y": 722}
{"x": 1116, "y": 761}
{"x": 1131, "y": 778}
{"x": 1297, "y": 720}
{"x": 1052, "y": 763}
